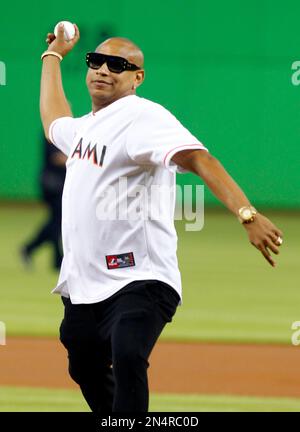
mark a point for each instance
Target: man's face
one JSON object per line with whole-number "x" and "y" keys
{"x": 105, "y": 86}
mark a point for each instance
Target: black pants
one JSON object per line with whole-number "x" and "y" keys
{"x": 109, "y": 344}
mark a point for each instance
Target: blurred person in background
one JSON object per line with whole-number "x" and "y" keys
{"x": 51, "y": 181}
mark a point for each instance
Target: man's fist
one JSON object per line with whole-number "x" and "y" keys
{"x": 59, "y": 44}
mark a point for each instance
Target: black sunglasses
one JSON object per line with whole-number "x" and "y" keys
{"x": 114, "y": 63}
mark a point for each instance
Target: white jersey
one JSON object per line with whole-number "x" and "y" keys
{"x": 116, "y": 157}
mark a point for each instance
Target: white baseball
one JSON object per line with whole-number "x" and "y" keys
{"x": 69, "y": 30}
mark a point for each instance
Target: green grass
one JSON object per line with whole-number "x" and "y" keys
{"x": 230, "y": 291}
{"x": 24, "y": 399}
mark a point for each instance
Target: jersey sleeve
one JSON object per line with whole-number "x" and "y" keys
{"x": 62, "y": 132}
{"x": 156, "y": 136}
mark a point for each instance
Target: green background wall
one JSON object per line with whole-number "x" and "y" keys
{"x": 223, "y": 68}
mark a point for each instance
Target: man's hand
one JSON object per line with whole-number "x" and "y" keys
{"x": 263, "y": 234}
{"x": 59, "y": 44}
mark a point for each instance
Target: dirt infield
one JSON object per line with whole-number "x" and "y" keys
{"x": 260, "y": 370}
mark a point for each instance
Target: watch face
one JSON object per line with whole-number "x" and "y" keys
{"x": 247, "y": 214}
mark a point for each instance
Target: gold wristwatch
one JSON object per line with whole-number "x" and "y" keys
{"x": 247, "y": 214}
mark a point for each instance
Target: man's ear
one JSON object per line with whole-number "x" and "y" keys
{"x": 139, "y": 78}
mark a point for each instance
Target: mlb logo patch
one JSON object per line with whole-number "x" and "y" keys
{"x": 120, "y": 261}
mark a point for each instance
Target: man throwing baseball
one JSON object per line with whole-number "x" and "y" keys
{"x": 119, "y": 279}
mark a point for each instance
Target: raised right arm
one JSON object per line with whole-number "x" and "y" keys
{"x": 53, "y": 102}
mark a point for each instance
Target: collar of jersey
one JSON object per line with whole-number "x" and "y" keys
{"x": 123, "y": 99}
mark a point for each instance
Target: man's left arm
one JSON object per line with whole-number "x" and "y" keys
{"x": 262, "y": 233}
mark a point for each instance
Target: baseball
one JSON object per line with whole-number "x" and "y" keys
{"x": 69, "y": 30}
